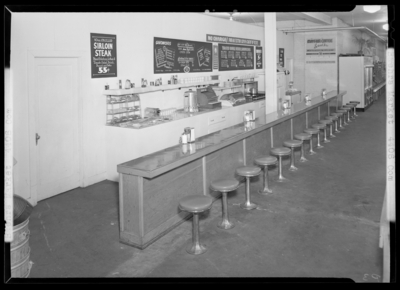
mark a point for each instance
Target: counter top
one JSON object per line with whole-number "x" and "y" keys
{"x": 378, "y": 86}
{"x": 157, "y": 163}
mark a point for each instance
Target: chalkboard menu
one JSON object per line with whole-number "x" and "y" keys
{"x": 235, "y": 57}
{"x": 177, "y": 56}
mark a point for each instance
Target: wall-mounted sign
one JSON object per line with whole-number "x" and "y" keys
{"x": 234, "y": 40}
{"x": 320, "y": 50}
{"x": 177, "y": 56}
{"x": 104, "y": 55}
{"x": 215, "y": 56}
{"x": 235, "y": 57}
{"x": 281, "y": 58}
{"x": 259, "y": 59}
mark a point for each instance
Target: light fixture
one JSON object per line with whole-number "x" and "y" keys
{"x": 372, "y": 8}
{"x": 386, "y": 27}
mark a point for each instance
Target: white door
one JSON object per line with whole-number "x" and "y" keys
{"x": 56, "y": 109}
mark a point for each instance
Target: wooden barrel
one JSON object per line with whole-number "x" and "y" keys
{"x": 20, "y": 251}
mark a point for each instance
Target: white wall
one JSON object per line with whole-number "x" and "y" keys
{"x": 284, "y": 40}
{"x": 135, "y": 32}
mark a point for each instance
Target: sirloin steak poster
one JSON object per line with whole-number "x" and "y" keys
{"x": 103, "y": 48}
{"x": 178, "y": 56}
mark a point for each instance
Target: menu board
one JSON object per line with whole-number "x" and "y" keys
{"x": 259, "y": 59}
{"x": 104, "y": 55}
{"x": 235, "y": 57}
{"x": 177, "y": 56}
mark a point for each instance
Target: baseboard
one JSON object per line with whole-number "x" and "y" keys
{"x": 94, "y": 179}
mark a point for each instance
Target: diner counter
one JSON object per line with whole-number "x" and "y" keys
{"x": 151, "y": 186}
{"x": 162, "y": 161}
{"x": 378, "y": 86}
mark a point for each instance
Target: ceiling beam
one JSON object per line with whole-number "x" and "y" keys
{"x": 315, "y": 17}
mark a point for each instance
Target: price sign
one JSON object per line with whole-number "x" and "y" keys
{"x": 104, "y": 55}
{"x": 235, "y": 57}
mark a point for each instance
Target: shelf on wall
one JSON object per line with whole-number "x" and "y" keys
{"x": 226, "y": 88}
{"x": 150, "y": 89}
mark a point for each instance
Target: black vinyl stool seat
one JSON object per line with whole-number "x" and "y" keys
{"x": 265, "y": 161}
{"x": 311, "y": 131}
{"x": 344, "y": 112}
{"x": 334, "y": 119}
{"x": 224, "y": 186}
{"x": 355, "y": 102}
{"x": 328, "y": 122}
{"x": 303, "y": 137}
{"x": 292, "y": 144}
{"x": 195, "y": 204}
{"x": 280, "y": 151}
{"x": 320, "y": 127}
{"x": 248, "y": 171}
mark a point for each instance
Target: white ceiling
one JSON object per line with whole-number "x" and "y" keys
{"x": 357, "y": 17}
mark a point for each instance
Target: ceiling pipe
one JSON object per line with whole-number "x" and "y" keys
{"x": 331, "y": 29}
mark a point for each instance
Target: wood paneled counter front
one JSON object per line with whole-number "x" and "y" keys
{"x": 151, "y": 186}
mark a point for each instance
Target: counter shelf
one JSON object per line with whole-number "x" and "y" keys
{"x": 150, "y": 89}
{"x": 148, "y": 122}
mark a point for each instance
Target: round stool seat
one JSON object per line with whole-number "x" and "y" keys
{"x": 355, "y": 102}
{"x": 248, "y": 171}
{"x": 293, "y": 143}
{"x": 281, "y": 151}
{"x": 303, "y": 136}
{"x": 331, "y": 117}
{"x": 325, "y": 121}
{"x": 195, "y": 203}
{"x": 266, "y": 160}
{"x": 319, "y": 126}
{"x": 351, "y": 104}
{"x": 337, "y": 114}
{"x": 347, "y": 108}
{"x": 311, "y": 131}
{"x": 225, "y": 185}
{"x": 341, "y": 111}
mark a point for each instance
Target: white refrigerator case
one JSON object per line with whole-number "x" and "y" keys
{"x": 355, "y": 77}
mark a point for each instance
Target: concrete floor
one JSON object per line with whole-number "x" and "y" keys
{"x": 323, "y": 223}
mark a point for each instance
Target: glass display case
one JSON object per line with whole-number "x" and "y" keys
{"x": 122, "y": 108}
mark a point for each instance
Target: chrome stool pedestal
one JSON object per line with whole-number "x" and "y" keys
{"x": 355, "y": 102}
{"x": 195, "y": 204}
{"x": 248, "y": 171}
{"x": 265, "y": 161}
{"x": 348, "y": 109}
{"x": 281, "y": 151}
{"x": 353, "y": 106}
{"x": 303, "y": 137}
{"x": 224, "y": 186}
{"x": 312, "y": 131}
{"x": 343, "y": 118}
{"x": 292, "y": 144}
{"x": 328, "y": 122}
{"x": 319, "y": 127}
{"x": 335, "y": 119}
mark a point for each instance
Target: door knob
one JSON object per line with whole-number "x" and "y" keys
{"x": 37, "y": 138}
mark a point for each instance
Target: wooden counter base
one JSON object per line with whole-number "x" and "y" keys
{"x": 148, "y": 206}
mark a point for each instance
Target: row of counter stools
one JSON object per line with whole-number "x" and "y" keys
{"x": 197, "y": 204}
